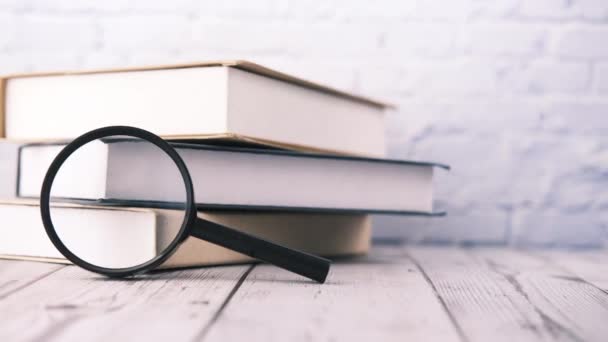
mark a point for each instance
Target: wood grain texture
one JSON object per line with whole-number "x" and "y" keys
{"x": 395, "y": 294}
{"x": 383, "y": 297}
{"x": 486, "y": 302}
{"x": 16, "y": 275}
{"x": 570, "y": 307}
{"x": 590, "y": 265}
{"x": 75, "y": 305}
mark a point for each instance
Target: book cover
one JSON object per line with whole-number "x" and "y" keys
{"x": 275, "y": 109}
{"x": 322, "y": 234}
{"x": 232, "y": 178}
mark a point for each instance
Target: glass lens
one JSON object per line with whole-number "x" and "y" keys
{"x": 117, "y": 202}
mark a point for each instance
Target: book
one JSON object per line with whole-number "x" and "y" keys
{"x": 239, "y": 178}
{"x": 24, "y": 236}
{"x": 9, "y": 153}
{"x": 235, "y": 100}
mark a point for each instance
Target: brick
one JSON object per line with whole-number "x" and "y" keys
{"x": 39, "y": 61}
{"x": 472, "y": 158}
{"x": 445, "y": 10}
{"x": 146, "y": 33}
{"x": 324, "y": 42}
{"x": 592, "y": 9}
{"x": 235, "y": 39}
{"x": 15, "y": 5}
{"x": 347, "y": 10}
{"x": 235, "y": 11}
{"x": 536, "y": 163}
{"x": 462, "y": 229}
{"x": 410, "y": 123}
{"x": 309, "y": 11}
{"x": 553, "y": 228}
{"x": 548, "y": 77}
{"x": 453, "y": 78}
{"x": 360, "y": 9}
{"x": 152, "y": 6}
{"x": 379, "y": 81}
{"x": 548, "y": 9}
{"x": 597, "y": 164}
{"x": 83, "y": 6}
{"x": 478, "y": 117}
{"x": 419, "y": 39}
{"x": 545, "y": 155}
{"x": 151, "y": 58}
{"x": 581, "y": 190}
{"x": 578, "y": 117}
{"x": 13, "y": 63}
{"x": 43, "y": 33}
{"x": 495, "y": 9}
{"x": 513, "y": 39}
{"x": 7, "y": 27}
{"x": 103, "y": 59}
{"x": 583, "y": 43}
{"x": 600, "y": 76}
{"x": 490, "y": 118}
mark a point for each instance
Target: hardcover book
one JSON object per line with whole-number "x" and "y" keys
{"x": 234, "y": 178}
{"x": 235, "y": 100}
{"x": 24, "y": 236}
{"x": 9, "y": 154}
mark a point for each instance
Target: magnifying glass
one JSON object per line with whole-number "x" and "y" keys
{"x": 95, "y": 239}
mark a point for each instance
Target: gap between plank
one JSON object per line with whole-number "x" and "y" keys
{"x": 549, "y": 323}
{"x": 219, "y": 311}
{"x": 31, "y": 282}
{"x": 459, "y": 330}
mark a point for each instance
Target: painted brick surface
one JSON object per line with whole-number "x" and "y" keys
{"x": 511, "y": 93}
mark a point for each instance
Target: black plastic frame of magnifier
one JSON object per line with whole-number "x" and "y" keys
{"x": 307, "y": 265}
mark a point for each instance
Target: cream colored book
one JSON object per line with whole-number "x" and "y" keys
{"x": 24, "y": 237}
{"x": 233, "y": 100}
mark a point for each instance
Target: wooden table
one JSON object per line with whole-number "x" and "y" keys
{"x": 396, "y": 294}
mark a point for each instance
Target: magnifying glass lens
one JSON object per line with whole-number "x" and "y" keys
{"x": 118, "y": 202}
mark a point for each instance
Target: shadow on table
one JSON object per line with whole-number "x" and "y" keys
{"x": 186, "y": 273}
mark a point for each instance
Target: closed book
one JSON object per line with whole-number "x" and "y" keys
{"x": 240, "y": 178}
{"x": 24, "y": 236}
{"x": 235, "y": 100}
{"x": 9, "y": 154}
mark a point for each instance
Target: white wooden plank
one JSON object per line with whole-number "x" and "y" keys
{"x": 591, "y": 265}
{"x": 484, "y": 303}
{"x": 570, "y": 307}
{"x": 491, "y": 294}
{"x": 380, "y": 298}
{"x": 16, "y": 275}
{"x": 74, "y": 305}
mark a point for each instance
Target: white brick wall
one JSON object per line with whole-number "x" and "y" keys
{"x": 512, "y": 93}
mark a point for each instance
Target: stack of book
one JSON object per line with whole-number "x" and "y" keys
{"x": 270, "y": 154}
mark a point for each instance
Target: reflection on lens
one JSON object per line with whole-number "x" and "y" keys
{"x": 118, "y": 202}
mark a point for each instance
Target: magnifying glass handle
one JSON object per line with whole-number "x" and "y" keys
{"x": 304, "y": 264}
